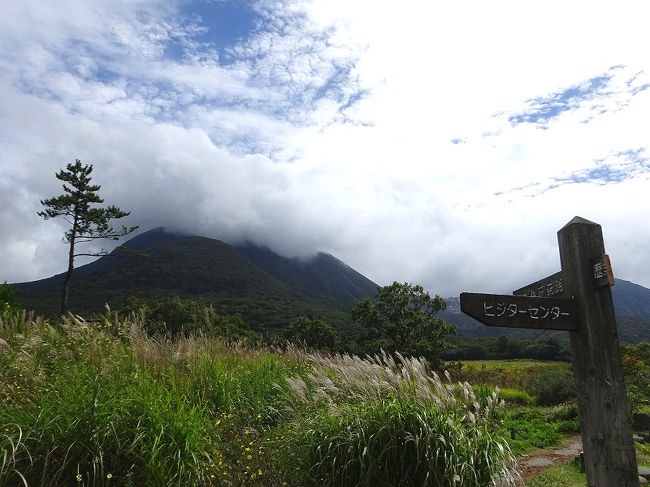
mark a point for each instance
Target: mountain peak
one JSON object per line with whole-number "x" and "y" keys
{"x": 246, "y": 279}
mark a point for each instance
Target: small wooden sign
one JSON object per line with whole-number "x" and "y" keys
{"x": 602, "y": 271}
{"x": 550, "y": 286}
{"x": 521, "y": 311}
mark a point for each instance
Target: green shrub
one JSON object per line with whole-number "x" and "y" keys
{"x": 516, "y": 397}
{"x": 313, "y": 332}
{"x": 562, "y": 412}
{"x": 551, "y": 387}
{"x": 510, "y": 396}
{"x": 636, "y": 367}
{"x": 176, "y": 316}
{"x": 529, "y": 431}
{"x": 569, "y": 426}
{"x": 8, "y": 297}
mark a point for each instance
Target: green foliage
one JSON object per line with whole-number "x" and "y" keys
{"x": 565, "y": 417}
{"x": 382, "y": 421}
{"x": 502, "y": 347}
{"x": 529, "y": 430}
{"x": 550, "y": 387}
{"x": 562, "y": 412}
{"x": 567, "y": 474}
{"x": 99, "y": 401}
{"x": 8, "y": 297}
{"x": 516, "y": 397}
{"x": 103, "y": 403}
{"x": 312, "y": 332}
{"x": 82, "y": 406}
{"x": 512, "y": 397}
{"x": 391, "y": 443}
{"x": 636, "y": 368}
{"x": 402, "y": 319}
{"x": 185, "y": 316}
{"x": 88, "y": 223}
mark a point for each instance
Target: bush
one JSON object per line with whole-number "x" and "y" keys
{"x": 529, "y": 431}
{"x": 513, "y": 397}
{"x": 636, "y": 368}
{"x": 313, "y": 332}
{"x": 393, "y": 443}
{"x": 8, "y": 297}
{"x": 566, "y": 416}
{"x": 569, "y": 426}
{"x": 562, "y": 412}
{"x": 178, "y": 316}
{"x": 551, "y": 387}
{"x": 516, "y": 397}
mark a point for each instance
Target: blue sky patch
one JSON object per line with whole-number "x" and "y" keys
{"x": 596, "y": 96}
{"x": 224, "y": 22}
{"x": 616, "y": 168}
{"x": 543, "y": 109}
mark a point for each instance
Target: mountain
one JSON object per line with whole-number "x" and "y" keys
{"x": 631, "y": 305}
{"x": 321, "y": 274}
{"x": 631, "y": 299}
{"x": 264, "y": 287}
{"x": 267, "y": 289}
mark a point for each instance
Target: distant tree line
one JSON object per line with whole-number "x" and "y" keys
{"x": 401, "y": 318}
{"x": 501, "y": 348}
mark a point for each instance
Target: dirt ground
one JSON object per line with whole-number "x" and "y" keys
{"x": 536, "y": 462}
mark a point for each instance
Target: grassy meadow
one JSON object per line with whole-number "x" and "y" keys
{"x": 102, "y": 403}
{"x": 105, "y": 404}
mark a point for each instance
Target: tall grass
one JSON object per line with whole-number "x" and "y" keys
{"x": 101, "y": 403}
{"x": 390, "y": 421}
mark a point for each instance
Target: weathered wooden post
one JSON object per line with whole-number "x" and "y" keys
{"x": 578, "y": 299}
{"x": 604, "y": 416}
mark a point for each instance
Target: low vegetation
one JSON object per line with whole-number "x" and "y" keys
{"x": 172, "y": 393}
{"x": 103, "y": 403}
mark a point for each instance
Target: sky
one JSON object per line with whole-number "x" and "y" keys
{"x": 438, "y": 143}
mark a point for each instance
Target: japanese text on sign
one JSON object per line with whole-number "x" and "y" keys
{"x": 600, "y": 271}
{"x": 553, "y": 288}
{"x": 511, "y": 310}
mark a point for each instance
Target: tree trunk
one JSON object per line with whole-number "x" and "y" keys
{"x": 68, "y": 276}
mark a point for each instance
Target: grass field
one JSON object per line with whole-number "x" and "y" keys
{"x": 104, "y": 404}
{"x": 515, "y": 365}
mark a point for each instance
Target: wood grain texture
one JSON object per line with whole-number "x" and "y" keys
{"x": 606, "y": 434}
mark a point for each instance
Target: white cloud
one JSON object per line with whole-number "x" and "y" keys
{"x": 330, "y": 128}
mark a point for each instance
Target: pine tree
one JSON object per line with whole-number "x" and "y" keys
{"x": 88, "y": 223}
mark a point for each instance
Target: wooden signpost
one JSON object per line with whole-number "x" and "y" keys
{"x": 578, "y": 299}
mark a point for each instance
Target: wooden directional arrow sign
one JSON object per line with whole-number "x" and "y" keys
{"x": 552, "y": 285}
{"x": 521, "y": 311}
{"x": 552, "y": 303}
